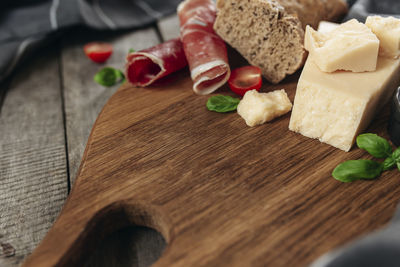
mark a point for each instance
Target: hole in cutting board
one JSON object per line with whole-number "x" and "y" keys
{"x": 120, "y": 234}
{"x": 130, "y": 246}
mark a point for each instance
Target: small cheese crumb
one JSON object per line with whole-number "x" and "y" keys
{"x": 388, "y": 32}
{"x": 257, "y": 108}
{"x": 351, "y": 46}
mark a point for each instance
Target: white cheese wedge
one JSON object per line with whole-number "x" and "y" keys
{"x": 327, "y": 26}
{"x": 336, "y": 107}
{"x": 351, "y": 46}
{"x": 257, "y": 108}
{"x": 388, "y": 32}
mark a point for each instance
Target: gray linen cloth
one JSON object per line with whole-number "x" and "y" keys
{"x": 360, "y": 9}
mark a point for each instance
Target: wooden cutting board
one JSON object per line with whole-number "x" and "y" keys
{"x": 221, "y": 193}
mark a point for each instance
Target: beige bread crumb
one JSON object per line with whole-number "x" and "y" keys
{"x": 257, "y": 108}
{"x": 269, "y": 33}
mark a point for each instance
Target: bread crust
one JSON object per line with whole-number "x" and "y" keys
{"x": 311, "y": 12}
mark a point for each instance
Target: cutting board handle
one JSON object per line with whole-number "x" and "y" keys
{"x": 76, "y": 233}
{"x": 91, "y": 213}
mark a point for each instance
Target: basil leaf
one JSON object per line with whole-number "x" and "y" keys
{"x": 375, "y": 145}
{"x": 398, "y": 165}
{"x": 131, "y": 50}
{"x": 353, "y": 170}
{"x": 109, "y": 76}
{"x": 396, "y": 155}
{"x": 222, "y": 103}
{"x": 389, "y": 163}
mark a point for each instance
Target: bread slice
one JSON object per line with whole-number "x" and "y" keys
{"x": 270, "y": 33}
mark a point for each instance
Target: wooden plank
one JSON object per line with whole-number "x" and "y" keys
{"x": 169, "y": 27}
{"x": 83, "y": 101}
{"x": 33, "y": 174}
{"x": 84, "y": 98}
{"x": 221, "y": 193}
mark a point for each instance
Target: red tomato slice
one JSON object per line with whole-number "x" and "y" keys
{"x": 244, "y": 79}
{"x": 99, "y": 52}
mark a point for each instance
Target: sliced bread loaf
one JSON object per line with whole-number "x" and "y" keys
{"x": 269, "y": 33}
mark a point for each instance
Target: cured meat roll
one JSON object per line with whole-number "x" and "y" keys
{"x": 146, "y": 66}
{"x": 205, "y": 51}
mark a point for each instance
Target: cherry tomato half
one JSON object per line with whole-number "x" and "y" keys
{"x": 244, "y": 79}
{"x": 98, "y": 52}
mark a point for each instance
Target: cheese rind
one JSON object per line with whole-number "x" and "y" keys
{"x": 388, "y": 32}
{"x": 257, "y": 108}
{"x": 351, "y": 46}
{"x": 336, "y": 107}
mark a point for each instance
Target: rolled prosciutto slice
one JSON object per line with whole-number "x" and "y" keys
{"x": 146, "y": 66}
{"x": 205, "y": 51}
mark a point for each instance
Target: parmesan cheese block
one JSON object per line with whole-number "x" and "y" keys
{"x": 351, "y": 46}
{"x": 388, "y": 32}
{"x": 336, "y": 107}
{"x": 257, "y": 108}
{"x": 326, "y": 26}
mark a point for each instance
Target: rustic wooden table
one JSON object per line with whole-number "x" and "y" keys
{"x": 47, "y": 110}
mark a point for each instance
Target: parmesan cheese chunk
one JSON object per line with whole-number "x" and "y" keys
{"x": 326, "y": 26}
{"x": 352, "y": 46}
{"x": 336, "y": 107}
{"x": 388, "y": 32}
{"x": 257, "y": 108}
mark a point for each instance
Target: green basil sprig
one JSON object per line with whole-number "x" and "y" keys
{"x": 353, "y": 170}
{"x": 378, "y": 147}
{"x": 375, "y": 145}
{"x": 389, "y": 163}
{"x": 396, "y": 157}
{"x": 109, "y": 76}
{"x": 222, "y": 103}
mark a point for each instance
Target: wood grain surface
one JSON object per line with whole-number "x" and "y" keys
{"x": 221, "y": 193}
{"x": 33, "y": 171}
{"x": 169, "y": 27}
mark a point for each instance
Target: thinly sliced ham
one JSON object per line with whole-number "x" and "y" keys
{"x": 205, "y": 51}
{"x": 146, "y": 66}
